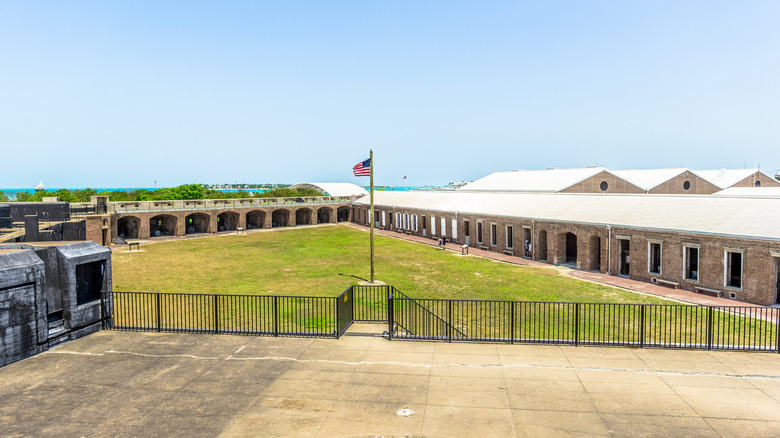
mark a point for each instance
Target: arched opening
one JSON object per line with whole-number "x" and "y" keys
{"x": 255, "y": 219}
{"x": 342, "y": 214}
{"x": 162, "y": 225}
{"x": 280, "y": 218}
{"x": 571, "y": 249}
{"x": 541, "y": 253}
{"x": 303, "y": 216}
{"x": 227, "y": 221}
{"x": 196, "y": 223}
{"x": 127, "y": 227}
{"x": 594, "y": 260}
{"x": 323, "y": 215}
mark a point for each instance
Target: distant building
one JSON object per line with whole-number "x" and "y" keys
{"x": 722, "y": 238}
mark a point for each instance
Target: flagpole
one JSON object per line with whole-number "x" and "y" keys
{"x": 371, "y": 215}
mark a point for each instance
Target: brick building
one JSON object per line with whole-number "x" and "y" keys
{"x": 720, "y": 245}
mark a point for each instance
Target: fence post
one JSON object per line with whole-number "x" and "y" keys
{"x": 709, "y": 328}
{"x": 159, "y": 323}
{"x": 449, "y": 320}
{"x": 512, "y": 322}
{"x": 390, "y": 317}
{"x": 337, "y": 300}
{"x": 777, "y": 334}
{"x": 576, "y": 324}
{"x": 276, "y": 316}
{"x": 216, "y": 314}
{"x": 642, "y": 327}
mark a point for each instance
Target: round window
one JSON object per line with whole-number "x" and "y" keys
{"x": 687, "y": 185}
{"x": 758, "y": 183}
{"x": 604, "y": 186}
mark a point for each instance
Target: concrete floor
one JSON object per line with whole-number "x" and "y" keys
{"x": 148, "y": 384}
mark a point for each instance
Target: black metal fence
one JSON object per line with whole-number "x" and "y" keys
{"x": 634, "y": 325}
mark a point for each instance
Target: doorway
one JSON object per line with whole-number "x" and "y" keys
{"x": 777, "y": 280}
{"x": 571, "y": 249}
{"x": 624, "y": 256}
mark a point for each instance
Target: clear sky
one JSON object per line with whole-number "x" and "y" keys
{"x": 122, "y": 94}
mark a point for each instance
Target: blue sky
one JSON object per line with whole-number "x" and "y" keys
{"x": 122, "y": 94}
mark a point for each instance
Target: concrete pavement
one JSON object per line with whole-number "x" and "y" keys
{"x": 148, "y": 384}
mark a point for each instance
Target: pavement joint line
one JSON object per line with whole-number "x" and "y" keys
{"x": 236, "y": 352}
{"x": 165, "y": 355}
{"x": 72, "y": 352}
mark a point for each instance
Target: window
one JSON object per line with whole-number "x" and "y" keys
{"x": 758, "y": 183}
{"x": 443, "y": 227}
{"x": 423, "y": 223}
{"x": 654, "y": 258}
{"x": 691, "y": 262}
{"x": 686, "y": 185}
{"x": 479, "y": 232}
{"x": 603, "y": 186}
{"x": 433, "y": 226}
{"x": 466, "y": 228}
{"x": 384, "y": 223}
{"x": 407, "y": 225}
{"x": 734, "y": 269}
{"x": 509, "y": 237}
{"x": 454, "y": 229}
{"x": 493, "y": 235}
{"x": 414, "y": 222}
{"x": 89, "y": 282}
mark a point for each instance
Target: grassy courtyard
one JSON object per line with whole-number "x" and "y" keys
{"x": 323, "y": 261}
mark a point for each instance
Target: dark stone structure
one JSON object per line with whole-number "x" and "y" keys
{"x": 50, "y": 293}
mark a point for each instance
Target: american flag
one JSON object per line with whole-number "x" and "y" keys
{"x": 362, "y": 168}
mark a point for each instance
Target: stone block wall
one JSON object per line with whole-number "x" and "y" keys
{"x": 23, "y": 330}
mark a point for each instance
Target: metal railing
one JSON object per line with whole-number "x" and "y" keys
{"x": 233, "y": 314}
{"x": 83, "y": 208}
{"x": 634, "y": 325}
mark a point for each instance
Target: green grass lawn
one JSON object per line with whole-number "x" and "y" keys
{"x": 323, "y": 261}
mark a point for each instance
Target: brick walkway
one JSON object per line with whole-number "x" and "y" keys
{"x": 611, "y": 280}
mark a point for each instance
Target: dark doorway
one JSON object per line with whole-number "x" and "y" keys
{"x": 227, "y": 221}
{"x": 89, "y": 281}
{"x": 323, "y": 215}
{"x": 342, "y": 214}
{"x": 196, "y": 223}
{"x": 595, "y": 253}
{"x": 127, "y": 227}
{"x": 571, "y": 249}
{"x": 541, "y": 253}
{"x": 255, "y": 219}
{"x": 280, "y": 218}
{"x": 624, "y": 256}
{"x": 303, "y": 216}
{"x": 777, "y": 280}
{"x": 162, "y": 225}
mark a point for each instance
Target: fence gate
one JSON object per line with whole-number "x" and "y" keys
{"x": 345, "y": 310}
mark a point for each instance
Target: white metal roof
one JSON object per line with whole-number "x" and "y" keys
{"x": 647, "y": 179}
{"x": 549, "y": 180}
{"x": 760, "y": 192}
{"x": 725, "y": 178}
{"x": 722, "y": 215}
{"x": 333, "y": 189}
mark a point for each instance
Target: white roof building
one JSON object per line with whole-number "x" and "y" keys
{"x": 729, "y": 216}
{"x": 648, "y": 179}
{"x": 548, "y": 180}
